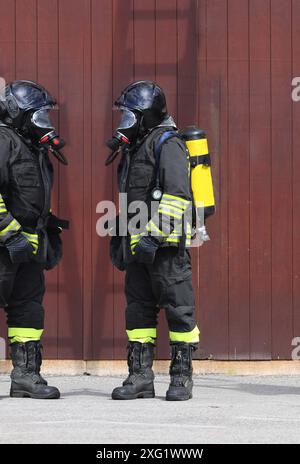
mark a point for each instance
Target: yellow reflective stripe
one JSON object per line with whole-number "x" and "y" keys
{"x": 169, "y": 213}
{"x": 177, "y": 240}
{"x": 179, "y": 235}
{"x": 137, "y": 235}
{"x": 21, "y": 335}
{"x": 187, "y": 337}
{"x": 177, "y": 209}
{"x": 141, "y": 334}
{"x": 164, "y": 204}
{"x": 132, "y": 242}
{"x": 144, "y": 340}
{"x": 2, "y": 205}
{"x": 13, "y": 225}
{"x": 180, "y": 208}
{"x": 151, "y": 225}
{"x": 179, "y": 199}
{"x": 173, "y": 197}
{"x": 33, "y": 240}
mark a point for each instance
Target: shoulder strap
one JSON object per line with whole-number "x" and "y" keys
{"x": 162, "y": 139}
{"x": 167, "y": 135}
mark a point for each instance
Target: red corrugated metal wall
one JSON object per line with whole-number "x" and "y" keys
{"x": 226, "y": 65}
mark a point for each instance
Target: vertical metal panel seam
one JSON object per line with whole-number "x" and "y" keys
{"x": 227, "y": 180}
{"x": 90, "y": 183}
{"x": 87, "y": 229}
{"x": 249, "y": 186}
{"x": 92, "y": 300}
{"x": 83, "y": 32}
{"x": 271, "y": 167}
{"x": 292, "y": 171}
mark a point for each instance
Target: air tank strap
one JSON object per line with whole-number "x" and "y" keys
{"x": 201, "y": 159}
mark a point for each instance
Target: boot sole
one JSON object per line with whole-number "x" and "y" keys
{"x": 134, "y": 397}
{"x": 24, "y": 394}
{"x": 176, "y": 398}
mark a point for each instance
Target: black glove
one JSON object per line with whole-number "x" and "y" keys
{"x": 19, "y": 248}
{"x": 145, "y": 250}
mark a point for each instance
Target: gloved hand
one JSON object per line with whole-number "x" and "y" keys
{"x": 19, "y": 248}
{"x": 145, "y": 250}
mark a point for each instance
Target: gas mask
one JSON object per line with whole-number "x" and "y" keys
{"x": 126, "y": 133}
{"x": 42, "y": 132}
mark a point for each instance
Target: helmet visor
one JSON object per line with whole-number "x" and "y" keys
{"x": 128, "y": 119}
{"x": 41, "y": 119}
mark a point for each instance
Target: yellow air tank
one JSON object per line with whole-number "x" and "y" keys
{"x": 201, "y": 179}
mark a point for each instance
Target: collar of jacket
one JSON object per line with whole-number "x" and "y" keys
{"x": 167, "y": 122}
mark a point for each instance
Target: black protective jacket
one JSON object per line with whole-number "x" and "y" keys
{"x": 137, "y": 178}
{"x": 26, "y": 178}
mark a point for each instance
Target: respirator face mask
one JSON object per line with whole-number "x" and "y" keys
{"x": 126, "y": 133}
{"x": 42, "y": 131}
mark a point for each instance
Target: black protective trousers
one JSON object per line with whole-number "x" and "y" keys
{"x": 22, "y": 289}
{"x": 165, "y": 284}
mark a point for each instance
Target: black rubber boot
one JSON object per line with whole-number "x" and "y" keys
{"x": 139, "y": 383}
{"x": 181, "y": 370}
{"x": 26, "y": 380}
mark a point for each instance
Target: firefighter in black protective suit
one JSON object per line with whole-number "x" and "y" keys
{"x": 158, "y": 265}
{"x": 29, "y": 232}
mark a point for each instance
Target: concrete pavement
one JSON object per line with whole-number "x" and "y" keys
{"x": 225, "y": 409}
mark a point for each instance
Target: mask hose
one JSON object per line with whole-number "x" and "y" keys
{"x": 55, "y": 143}
{"x": 115, "y": 144}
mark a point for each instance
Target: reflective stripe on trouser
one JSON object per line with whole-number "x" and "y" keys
{"x": 23, "y": 335}
{"x": 187, "y": 337}
{"x": 147, "y": 335}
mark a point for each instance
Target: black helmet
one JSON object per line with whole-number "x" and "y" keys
{"x": 147, "y": 98}
{"x": 22, "y": 96}
{"x": 25, "y": 106}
